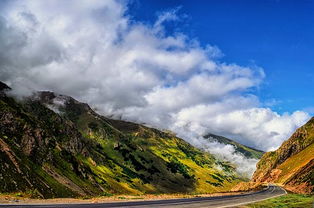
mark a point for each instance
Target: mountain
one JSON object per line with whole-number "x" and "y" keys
{"x": 55, "y": 146}
{"x": 292, "y": 165}
{"x": 249, "y": 152}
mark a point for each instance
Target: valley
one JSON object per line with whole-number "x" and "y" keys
{"x": 54, "y": 146}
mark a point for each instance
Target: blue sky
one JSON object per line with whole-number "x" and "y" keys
{"x": 131, "y": 61}
{"x": 275, "y": 35}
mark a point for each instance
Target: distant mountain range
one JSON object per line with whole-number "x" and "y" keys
{"x": 248, "y": 152}
{"x": 55, "y": 146}
{"x": 292, "y": 165}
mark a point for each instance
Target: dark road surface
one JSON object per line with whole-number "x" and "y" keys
{"x": 219, "y": 201}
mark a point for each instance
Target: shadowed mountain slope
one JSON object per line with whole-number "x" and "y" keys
{"x": 54, "y": 146}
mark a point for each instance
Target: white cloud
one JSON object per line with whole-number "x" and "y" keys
{"x": 257, "y": 127}
{"x": 94, "y": 52}
{"x": 245, "y": 166}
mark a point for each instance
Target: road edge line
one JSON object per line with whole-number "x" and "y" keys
{"x": 244, "y": 203}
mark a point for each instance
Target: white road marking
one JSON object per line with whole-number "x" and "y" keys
{"x": 243, "y": 203}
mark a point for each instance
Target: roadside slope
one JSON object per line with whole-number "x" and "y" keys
{"x": 292, "y": 165}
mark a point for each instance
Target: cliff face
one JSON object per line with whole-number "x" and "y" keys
{"x": 292, "y": 165}
{"x": 54, "y": 146}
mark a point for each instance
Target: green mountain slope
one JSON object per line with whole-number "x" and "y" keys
{"x": 245, "y": 150}
{"x": 292, "y": 165}
{"x": 54, "y": 146}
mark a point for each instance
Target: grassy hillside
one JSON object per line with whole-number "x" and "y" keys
{"x": 245, "y": 150}
{"x": 292, "y": 165}
{"x": 55, "y": 146}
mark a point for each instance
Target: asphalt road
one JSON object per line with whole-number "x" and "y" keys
{"x": 219, "y": 201}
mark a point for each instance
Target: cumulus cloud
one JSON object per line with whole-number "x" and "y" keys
{"x": 94, "y": 51}
{"x": 256, "y": 127}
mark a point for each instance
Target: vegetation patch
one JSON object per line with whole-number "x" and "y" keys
{"x": 286, "y": 201}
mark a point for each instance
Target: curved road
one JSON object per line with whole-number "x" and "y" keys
{"x": 220, "y": 201}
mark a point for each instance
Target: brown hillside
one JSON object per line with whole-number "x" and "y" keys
{"x": 292, "y": 165}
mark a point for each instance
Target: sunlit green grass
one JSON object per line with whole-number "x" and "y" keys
{"x": 286, "y": 201}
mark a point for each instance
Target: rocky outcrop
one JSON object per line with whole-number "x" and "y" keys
{"x": 302, "y": 180}
{"x": 3, "y": 86}
{"x": 292, "y": 164}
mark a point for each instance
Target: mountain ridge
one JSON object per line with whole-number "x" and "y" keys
{"x": 248, "y": 152}
{"x": 55, "y": 146}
